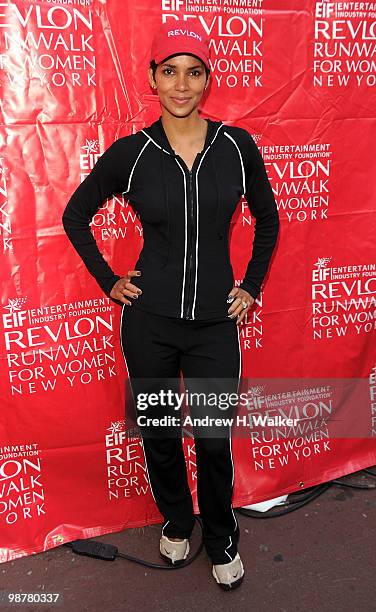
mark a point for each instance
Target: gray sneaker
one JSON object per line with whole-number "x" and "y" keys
{"x": 229, "y": 575}
{"x": 173, "y": 552}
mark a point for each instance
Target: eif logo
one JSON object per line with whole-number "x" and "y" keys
{"x": 325, "y": 9}
{"x": 321, "y": 272}
{"x": 16, "y": 316}
{"x": 89, "y": 156}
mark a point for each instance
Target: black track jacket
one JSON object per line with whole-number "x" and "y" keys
{"x": 185, "y": 215}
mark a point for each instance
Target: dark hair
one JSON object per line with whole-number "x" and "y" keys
{"x": 154, "y": 65}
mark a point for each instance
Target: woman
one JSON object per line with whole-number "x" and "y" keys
{"x": 184, "y": 176}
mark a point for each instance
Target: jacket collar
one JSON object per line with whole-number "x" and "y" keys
{"x": 156, "y": 132}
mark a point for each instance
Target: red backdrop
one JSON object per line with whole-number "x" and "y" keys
{"x": 73, "y": 79}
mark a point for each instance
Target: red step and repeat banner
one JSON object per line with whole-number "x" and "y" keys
{"x": 301, "y": 78}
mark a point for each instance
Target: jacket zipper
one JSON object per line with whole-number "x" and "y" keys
{"x": 188, "y": 310}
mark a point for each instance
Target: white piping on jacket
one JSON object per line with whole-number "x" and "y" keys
{"x": 134, "y": 165}
{"x": 197, "y": 206}
{"x": 185, "y": 237}
{"x": 156, "y": 144}
{"x": 241, "y": 160}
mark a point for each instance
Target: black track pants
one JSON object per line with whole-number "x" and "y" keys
{"x": 158, "y": 347}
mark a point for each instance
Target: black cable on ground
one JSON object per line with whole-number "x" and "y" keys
{"x": 290, "y": 506}
{"x": 352, "y": 485}
{"x": 108, "y": 552}
{"x": 369, "y": 472}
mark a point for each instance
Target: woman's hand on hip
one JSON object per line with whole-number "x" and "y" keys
{"x": 124, "y": 288}
{"x": 240, "y": 305}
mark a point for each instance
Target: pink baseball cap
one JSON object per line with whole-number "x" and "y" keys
{"x": 180, "y": 36}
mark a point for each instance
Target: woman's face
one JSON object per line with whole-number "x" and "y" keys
{"x": 180, "y": 82}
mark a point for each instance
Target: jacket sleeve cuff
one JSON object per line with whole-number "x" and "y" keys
{"x": 250, "y": 288}
{"x": 107, "y": 284}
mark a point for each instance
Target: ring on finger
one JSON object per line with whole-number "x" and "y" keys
{"x": 245, "y": 304}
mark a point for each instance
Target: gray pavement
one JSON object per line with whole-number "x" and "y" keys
{"x": 318, "y": 558}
